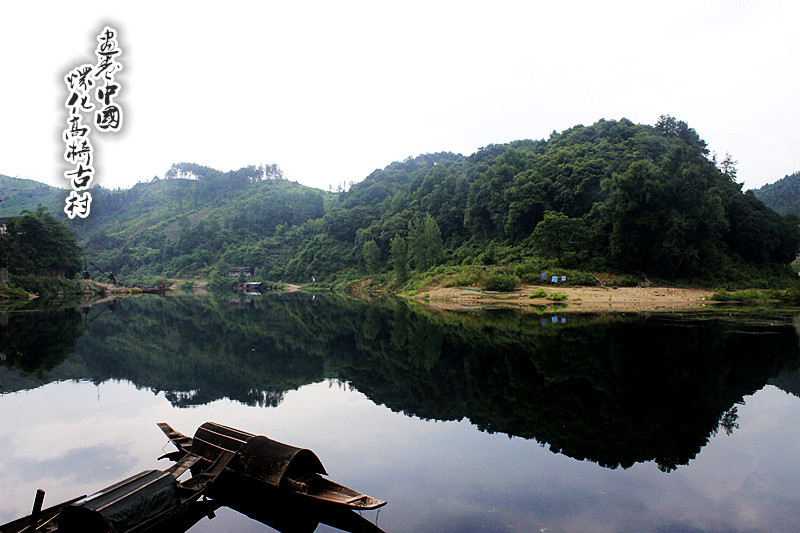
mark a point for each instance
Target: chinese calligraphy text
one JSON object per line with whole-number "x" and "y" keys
{"x": 81, "y": 82}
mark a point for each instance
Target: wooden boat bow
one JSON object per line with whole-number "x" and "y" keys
{"x": 263, "y": 460}
{"x": 269, "y": 481}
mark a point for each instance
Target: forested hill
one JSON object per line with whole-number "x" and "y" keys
{"x": 18, "y": 195}
{"x": 614, "y": 196}
{"x": 194, "y": 220}
{"x": 783, "y": 196}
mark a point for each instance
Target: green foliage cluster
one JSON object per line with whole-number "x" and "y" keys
{"x": 463, "y": 277}
{"x": 744, "y": 295}
{"x": 199, "y": 221}
{"x": 501, "y": 282}
{"x": 45, "y": 286}
{"x": 627, "y": 281}
{"x": 614, "y": 196}
{"x": 19, "y": 194}
{"x": 783, "y": 196}
{"x": 530, "y": 271}
{"x": 492, "y": 278}
{"x": 219, "y": 283}
{"x": 557, "y": 296}
{"x": 12, "y": 293}
{"x": 37, "y": 244}
{"x": 39, "y": 252}
{"x": 757, "y": 296}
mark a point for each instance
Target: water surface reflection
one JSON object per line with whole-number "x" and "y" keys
{"x": 610, "y": 390}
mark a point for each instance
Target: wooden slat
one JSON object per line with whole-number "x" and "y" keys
{"x": 183, "y": 465}
{"x": 46, "y": 515}
{"x": 135, "y": 490}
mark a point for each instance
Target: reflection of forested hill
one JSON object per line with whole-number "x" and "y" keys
{"x": 200, "y": 345}
{"x": 613, "y": 389}
{"x": 34, "y": 342}
{"x": 788, "y": 381}
{"x": 178, "y": 345}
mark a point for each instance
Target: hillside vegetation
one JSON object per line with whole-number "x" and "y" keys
{"x": 18, "y": 195}
{"x": 40, "y": 253}
{"x": 783, "y": 196}
{"x": 611, "y": 197}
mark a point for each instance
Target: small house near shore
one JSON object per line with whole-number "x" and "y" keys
{"x": 247, "y": 272}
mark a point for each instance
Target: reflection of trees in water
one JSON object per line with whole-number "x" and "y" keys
{"x": 728, "y": 421}
{"x": 254, "y": 398}
{"x": 199, "y": 350}
{"x": 195, "y": 350}
{"x": 789, "y": 378}
{"x": 613, "y": 389}
{"x": 37, "y": 341}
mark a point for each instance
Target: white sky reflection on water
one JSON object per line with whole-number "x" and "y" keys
{"x": 72, "y": 438}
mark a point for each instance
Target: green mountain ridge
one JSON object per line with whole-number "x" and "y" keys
{"x": 783, "y": 196}
{"x": 19, "y": 194}
{"x": 614, "y": 196}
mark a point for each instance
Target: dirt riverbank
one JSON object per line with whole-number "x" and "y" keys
{"x": 591, "y": 299}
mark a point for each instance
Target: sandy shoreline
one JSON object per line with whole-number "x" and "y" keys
{"x": 625, "y": 299}
{"x": 587, "y": 299}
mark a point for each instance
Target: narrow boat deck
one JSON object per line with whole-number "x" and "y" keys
{"x": 295, "y": 470}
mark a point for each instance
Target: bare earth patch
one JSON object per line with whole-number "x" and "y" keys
{"x": 593, "y": 299}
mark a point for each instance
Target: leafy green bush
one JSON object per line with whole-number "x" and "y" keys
{"x": 529, "y": 271}
{"x": 539, "y": 293}
{"x": 792, "y": 296}
{"x": 500, "y": 282}
{"x": 219, "y": 283}
{"x": 739, "y": 296}
{"x": 628, "y": 281}
{"x": 466, "y": 277}
{"x": 557, "y": 296}
{"x": 45, "y": 287}
{"x": 12, "y": 293}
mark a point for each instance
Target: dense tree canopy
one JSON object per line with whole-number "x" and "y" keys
{"x": 37, "y": 244}
{"x": 613, "y": 196}
{"x": 783, "y": 196}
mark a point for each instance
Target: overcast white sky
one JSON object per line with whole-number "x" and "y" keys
{"x": 330, "y": 91}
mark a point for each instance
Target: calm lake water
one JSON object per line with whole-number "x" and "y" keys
{"x": 477, "y": 421}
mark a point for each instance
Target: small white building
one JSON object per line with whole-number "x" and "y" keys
{"x": 247, "y": 272}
